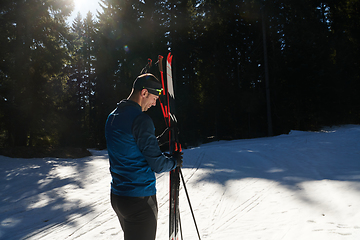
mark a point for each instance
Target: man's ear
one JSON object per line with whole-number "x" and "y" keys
{"x": 144, "y": 92}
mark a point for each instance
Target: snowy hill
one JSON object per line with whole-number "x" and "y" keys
{"x": 304, "y": 185}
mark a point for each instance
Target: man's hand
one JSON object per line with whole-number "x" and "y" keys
{"x": 179, "y": 158}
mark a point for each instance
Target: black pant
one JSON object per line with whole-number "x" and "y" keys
{"x": 137, "y": 216}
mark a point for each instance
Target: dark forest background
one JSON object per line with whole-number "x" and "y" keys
{"x": 243, "y": 68}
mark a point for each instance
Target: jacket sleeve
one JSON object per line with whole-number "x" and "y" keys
{"x": 144, "y": 133}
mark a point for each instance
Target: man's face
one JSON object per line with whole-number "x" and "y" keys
{"x": 149, "y": 101}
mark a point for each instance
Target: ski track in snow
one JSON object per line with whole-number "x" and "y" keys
{"x": 303, "y": 185}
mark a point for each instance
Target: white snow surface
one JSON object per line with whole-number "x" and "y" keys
{"x": 302, "y": 185}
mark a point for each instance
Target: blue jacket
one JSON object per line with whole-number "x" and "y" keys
{"x": 134, "y": 153}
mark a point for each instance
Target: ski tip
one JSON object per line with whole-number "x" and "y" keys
{"x": 169, "y": 57}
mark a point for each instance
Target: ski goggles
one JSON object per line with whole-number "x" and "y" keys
{"x": 155, "y": 91}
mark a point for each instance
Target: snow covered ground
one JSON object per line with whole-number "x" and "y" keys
{"x": 304, "y": 185}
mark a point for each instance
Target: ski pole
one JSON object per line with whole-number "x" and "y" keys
{"x": 192, "y": 212}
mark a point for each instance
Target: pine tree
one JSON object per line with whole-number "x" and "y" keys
{"x": 34, "y": 50}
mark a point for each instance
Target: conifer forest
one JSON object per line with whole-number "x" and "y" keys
{"x": 242, "y": 68}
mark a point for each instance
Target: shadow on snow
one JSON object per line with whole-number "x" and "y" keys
{"x": 33, "y": 195}
{"x": 287, "y": 159}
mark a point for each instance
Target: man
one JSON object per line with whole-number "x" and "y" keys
{"x": 135, "y": 157}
